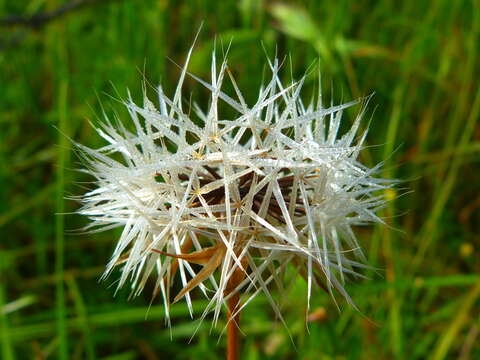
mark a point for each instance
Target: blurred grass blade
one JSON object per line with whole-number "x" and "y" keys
{"x": 17, "y": 304}
{"x": 7, "y": 348}
{"x": 59, "y": 219}
{"x": 460, "y": 320}
{"x": 295, "y": 22}
{"x": 125, "y": 316}
{"x": 82, "y": 315}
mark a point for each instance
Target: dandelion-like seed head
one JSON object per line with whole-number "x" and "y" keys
{"x": 243, "y": 197}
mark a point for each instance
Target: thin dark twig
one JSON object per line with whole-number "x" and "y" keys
{"x": 42, "y": 18}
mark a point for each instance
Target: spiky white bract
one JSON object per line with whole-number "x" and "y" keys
{"x": 245, "y": 197}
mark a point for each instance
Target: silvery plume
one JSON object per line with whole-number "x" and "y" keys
{"x": 244, "y": 197}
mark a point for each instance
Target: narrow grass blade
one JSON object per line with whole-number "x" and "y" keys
{"x": 59, "y": 221}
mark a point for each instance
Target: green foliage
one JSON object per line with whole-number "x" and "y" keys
{"x": 419, "y": 57}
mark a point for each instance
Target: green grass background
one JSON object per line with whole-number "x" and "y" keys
{"x": 420, "y": 58}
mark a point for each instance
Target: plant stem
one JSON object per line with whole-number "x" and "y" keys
{"x": 233, "y": 345}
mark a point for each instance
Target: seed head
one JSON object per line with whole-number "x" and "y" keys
{"x": 244, "y": 197}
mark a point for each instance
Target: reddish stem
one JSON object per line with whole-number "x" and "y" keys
{"x": 233, "y": 345}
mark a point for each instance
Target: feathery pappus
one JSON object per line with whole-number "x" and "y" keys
{"x": 245, "y": 197}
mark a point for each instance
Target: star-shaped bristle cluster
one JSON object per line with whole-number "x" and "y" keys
{"x": 227, "y": 205}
